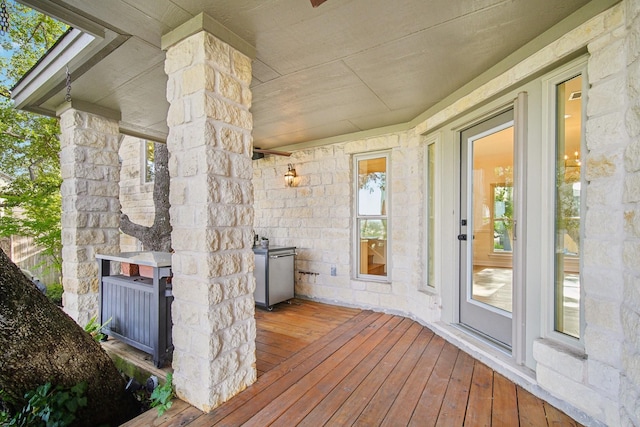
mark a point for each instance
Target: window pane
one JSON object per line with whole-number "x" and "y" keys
{"x": 431, "y": 216}
{"x": 567, "y": 207}
{"x": 373, "y": 246}
{"x": 372, "y": 183}
{"x": 149, "y": 162}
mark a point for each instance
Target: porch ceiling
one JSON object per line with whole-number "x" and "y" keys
{"x": 346, "y": 66}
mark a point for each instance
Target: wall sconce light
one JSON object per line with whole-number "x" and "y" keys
{"x": 289, "y": 176}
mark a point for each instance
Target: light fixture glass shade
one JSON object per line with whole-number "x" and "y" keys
{"x": 289, "y": 176}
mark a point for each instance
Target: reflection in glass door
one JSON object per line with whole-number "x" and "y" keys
{"x": 568, "y": 204}
{"x": 487, "y": 227}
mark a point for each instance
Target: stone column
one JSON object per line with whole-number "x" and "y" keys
{"x": 90, "y": 206}
{"x": 629, "y": 390}
{"x": 211, "y": 214}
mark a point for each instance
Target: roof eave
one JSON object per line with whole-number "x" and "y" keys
{"x": 78, "y": 51}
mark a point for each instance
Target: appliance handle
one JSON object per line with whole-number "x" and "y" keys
{"x": 280, "y": 256}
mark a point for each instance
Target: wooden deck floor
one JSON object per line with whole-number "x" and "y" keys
{"x": 325, "y": 365}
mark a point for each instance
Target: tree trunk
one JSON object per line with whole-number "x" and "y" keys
{"x": 158, "y": 236}
{"x": 39, "y": 343}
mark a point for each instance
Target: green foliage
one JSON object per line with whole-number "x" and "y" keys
{"x": 162, "y": 396}
{"x": 95, "y": 329}
{"x": 54, "y": 293}
{"x": 48, "y": 406}
{"x": 29, "y": 146}
{"x": 31, "y": 34}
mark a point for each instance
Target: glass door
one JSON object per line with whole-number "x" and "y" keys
{"x": 487, "y": 227}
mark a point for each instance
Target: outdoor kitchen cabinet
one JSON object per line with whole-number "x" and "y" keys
{"x": 274, "y": 275}
{"x": 137, "y": 309}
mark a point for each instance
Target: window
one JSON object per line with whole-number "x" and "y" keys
{"x": 502, "y": 217}
{"x": 431, "y": 214}
{"x": 568, "y": 205}
{"x": 149, "y": 161}
{"x": 372, "y": 199}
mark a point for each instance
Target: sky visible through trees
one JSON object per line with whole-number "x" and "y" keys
{"x": 29, "y": 145}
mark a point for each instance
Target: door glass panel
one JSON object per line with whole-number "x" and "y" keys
{"x": 487, "y": 212}
{"x": 493, "y": 219}
{"x": 568, "y": 204}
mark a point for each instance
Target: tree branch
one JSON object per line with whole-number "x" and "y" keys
{"x": 158, "y": 236}
{"x": 131, "y": 228}
{"x": 12, "y": 135}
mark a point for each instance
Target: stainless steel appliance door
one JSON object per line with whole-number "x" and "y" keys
{"x": 281, "y": 277}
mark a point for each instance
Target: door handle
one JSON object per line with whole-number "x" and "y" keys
{"x": 462, "y": 237}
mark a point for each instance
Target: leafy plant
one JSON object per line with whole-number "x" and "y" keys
{"x": 29, "y": 145}
{"x": 54, "y": 293}
{"x": 95, "y": 328}
{"x": 162, "y": 396}
{"x": 48, "y": 406}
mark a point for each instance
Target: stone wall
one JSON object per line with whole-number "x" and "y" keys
{"x": 603, "y": 380}
{"x": 591, "y": 381}
{"x": 211, "y": 214}
{"x": 136, "y": 196}
{"x": 630, "y": 163}
{"x": 90, "y": 207}
{"x": 315, "y": 215}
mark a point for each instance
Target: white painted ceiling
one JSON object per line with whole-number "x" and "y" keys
{"x": 346, "y": 66}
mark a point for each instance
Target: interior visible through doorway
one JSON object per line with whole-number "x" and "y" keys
{"x": 493, "y": 286}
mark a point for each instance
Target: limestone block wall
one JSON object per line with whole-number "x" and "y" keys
{"x": 602, "y": 381}
{"x": 212, "y": 216}
{"x": 90, "y": 207}
{"x": 315, "y": 215}
{"x": 136, "y": 196}
{"x": 630, "y": 313}
{"x": 591, "y": 381}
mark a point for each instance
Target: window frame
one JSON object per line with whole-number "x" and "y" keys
{"x": 431, "y": 203}
{"x": 549, "y": 105}
{"x": 357, "y": 217}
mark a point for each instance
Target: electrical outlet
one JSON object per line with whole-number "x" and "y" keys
{"x": 333, "y": 270}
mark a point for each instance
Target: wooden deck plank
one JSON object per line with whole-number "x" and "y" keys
{"x": 274, "y": 349}
{"x": 287, "y": 373}
{"x": 355, "y": 404}
{"x": 319, "y": 404}
{"x": 505, "y": 402}
{"x": 183, "y": 419}
{"x": 403, "y": 406}
{"x": 275, "y": 339}
{"x": 379, "y": 405}
{"x": 530, "y": 409}
{"x": 556, "y": 417}
{"x": 346, "y": 356}
{"x": 150, "y": 418}
{"x": 428, "y": 407}
{"x": 298, "y": 373}
{"x": 270, "y": 358}
{"x": 480, "y": 397}
{"x": 365, "y": 369}
{"x": 454, "y": 407}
